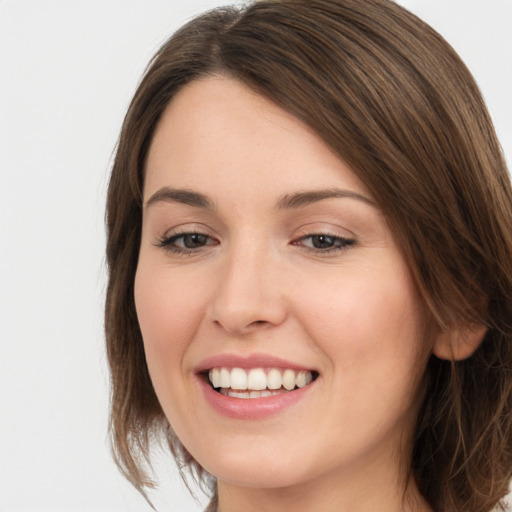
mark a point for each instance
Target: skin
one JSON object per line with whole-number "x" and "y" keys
{"x": 257, "y": 284}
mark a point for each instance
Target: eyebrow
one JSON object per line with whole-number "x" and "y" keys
{"x": 300, "y": 199}
{"x": 184, "y": 196}
{"x": 285, "y": 202}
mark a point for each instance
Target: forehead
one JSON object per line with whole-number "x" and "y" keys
{"x": 217, "y": 133}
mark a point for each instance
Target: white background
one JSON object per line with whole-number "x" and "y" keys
{"x": 67, "y": 72}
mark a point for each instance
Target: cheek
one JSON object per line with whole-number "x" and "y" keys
{"x": 168, "y": 311}
{"x": 366, "y": 321}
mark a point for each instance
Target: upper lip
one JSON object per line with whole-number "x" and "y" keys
{"x": 247, "y": 362}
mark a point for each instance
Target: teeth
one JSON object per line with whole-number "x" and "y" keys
{"x": 215, "y": 377}
{"x": 288, "y": 379}
{"x": 303, "y": 379}
{"x": 239, "y": 379}
{"x": 251, "y": 394}
{"x": 225, "y": 378}
{"x": 238, "y": 394}
{"x": 257, "y": 379}
{"x": 257, "y": 382}
{"x": 274, "y": 379}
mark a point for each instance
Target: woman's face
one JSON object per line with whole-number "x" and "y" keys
{"x": 265, "y": 263}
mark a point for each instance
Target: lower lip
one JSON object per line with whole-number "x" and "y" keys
{"x": 251, "y": 408}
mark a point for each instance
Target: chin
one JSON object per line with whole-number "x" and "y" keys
{"x": 258, "y": 475}
{"x": 268, "y": 467}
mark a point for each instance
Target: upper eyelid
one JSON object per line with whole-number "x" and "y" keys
{"x": 167, "y": 240}
{"x": 346, "y": 240}
{"x": 169, "y": 244}
{"x": 330, "y": 230}
{"x": 309, "y": 228}
{"x": 300, "y": 233}
{"x": 177, "y": 234}
{"x": 188, "y": 228}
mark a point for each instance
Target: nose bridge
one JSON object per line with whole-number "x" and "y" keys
{"x": 247, "y": 295}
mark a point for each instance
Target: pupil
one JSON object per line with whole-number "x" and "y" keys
{"x": 322, "y": 241}
{"x": 194, "y": 240}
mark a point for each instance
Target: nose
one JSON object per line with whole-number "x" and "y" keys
{"x": 249, "y": 294}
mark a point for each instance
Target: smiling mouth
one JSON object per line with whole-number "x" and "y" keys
{"x": 258, "y": 382}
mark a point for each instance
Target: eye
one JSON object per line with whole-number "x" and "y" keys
{"x": 186, "y": 242}
{"x": 324, "y": 243}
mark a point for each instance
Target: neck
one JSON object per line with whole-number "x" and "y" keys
{"x": 374, "y": 492}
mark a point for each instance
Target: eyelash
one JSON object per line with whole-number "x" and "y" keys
{"x": 339, "y": 243}
{"x": 167, "y": 243}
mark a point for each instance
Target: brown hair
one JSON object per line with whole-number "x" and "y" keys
{"x": 394, "y": 100}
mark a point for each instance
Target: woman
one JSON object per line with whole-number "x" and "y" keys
{"x": 310, "y": 246}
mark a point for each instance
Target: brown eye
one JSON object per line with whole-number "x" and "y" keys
{"x": 324, "y": 242}
{"x": 186, "y": 242}
{"x": 192, "y": 240}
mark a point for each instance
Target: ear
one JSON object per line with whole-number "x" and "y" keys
{"x": 456, "y": 344}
